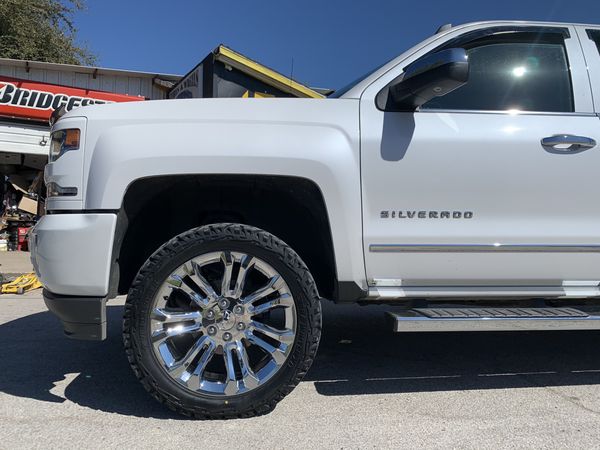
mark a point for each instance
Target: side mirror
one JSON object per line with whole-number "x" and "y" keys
{"x": 432, "y": 76}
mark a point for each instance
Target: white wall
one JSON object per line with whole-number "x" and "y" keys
{"x": 121, "y": 84}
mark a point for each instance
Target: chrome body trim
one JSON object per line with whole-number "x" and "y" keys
{"x": 568, "y": 142}
{"x": 394, "y": 293}
{"x": 496, "y": 247}
{"x": 475, "y": 282}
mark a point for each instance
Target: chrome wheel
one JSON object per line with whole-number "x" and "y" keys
{"x": 223, "y": 323}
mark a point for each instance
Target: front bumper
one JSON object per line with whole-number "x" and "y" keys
{"x": 71, "y": 253}
{"x": 81, "y": 317}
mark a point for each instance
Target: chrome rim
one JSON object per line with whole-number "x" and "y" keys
{"x": 223, "y": 323}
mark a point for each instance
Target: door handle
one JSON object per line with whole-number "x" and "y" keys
{"x": 568, "y": 143}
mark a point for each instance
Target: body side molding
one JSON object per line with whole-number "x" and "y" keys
{"x": 474, "y": 248}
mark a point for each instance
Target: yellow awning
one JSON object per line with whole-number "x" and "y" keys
{"x": 262, "y": 73}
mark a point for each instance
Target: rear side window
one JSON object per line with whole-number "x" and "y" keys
{"x": 525, "y": 76}
{"x": 595, "y": 36}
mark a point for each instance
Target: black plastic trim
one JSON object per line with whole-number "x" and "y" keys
{"x": 349, "y": 292}
{"x": 542, "y": 33}
{"x": 115, "y": 268}
{"x": 81, "y": 317}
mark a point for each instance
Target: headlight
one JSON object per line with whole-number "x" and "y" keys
{"x": 63, "y": 141}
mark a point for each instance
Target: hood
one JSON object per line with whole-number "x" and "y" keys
{"x": 214, "y": 109}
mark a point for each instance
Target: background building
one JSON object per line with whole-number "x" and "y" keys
{"x": 31, "y": 91}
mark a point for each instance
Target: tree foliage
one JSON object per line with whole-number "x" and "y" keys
{"x": 41, "y": 30}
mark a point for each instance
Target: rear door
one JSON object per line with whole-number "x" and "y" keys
{"x": 477, "y": 188}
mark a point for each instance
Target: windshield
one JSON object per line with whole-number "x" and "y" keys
{"x": 339, "y": 92}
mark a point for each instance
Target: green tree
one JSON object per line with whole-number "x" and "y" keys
{"x": 41, "y": 30}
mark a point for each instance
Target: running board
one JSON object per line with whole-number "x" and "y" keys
{"x": 492, "y": 319}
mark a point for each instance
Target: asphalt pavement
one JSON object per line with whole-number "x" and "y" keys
{"x": 368, "y": 388}
{"x": 12, "y": 263}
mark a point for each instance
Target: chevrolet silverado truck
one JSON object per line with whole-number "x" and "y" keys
{"x": 458, "y": 183}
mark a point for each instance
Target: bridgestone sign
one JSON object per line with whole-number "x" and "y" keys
{"x": 36, "y": 101}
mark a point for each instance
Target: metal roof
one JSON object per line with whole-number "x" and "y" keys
{"x": 24, "y": 64}
{"x": 263, "y": 73}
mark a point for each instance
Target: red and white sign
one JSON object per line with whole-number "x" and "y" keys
{"x": 33, "y": 100}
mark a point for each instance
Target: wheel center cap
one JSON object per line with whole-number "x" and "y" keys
{"x": 227, "y": 321}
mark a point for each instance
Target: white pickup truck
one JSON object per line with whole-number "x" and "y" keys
{"x": 458, "y": 182}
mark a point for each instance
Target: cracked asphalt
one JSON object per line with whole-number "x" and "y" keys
{"x": 368, "y": 388}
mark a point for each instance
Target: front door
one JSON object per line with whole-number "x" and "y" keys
{"x": 481, "y": 187}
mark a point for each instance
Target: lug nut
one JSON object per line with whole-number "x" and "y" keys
{"x": 226, "y": 336}
{"x": 223, "y": 303}
{"x": 240, "y": 326}
{"x": 210, "y": 315}
{"x": 239, "y": 309}
{"x": 212, "y": 330}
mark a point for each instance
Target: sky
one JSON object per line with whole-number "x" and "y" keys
{"x": 326, "y": 43}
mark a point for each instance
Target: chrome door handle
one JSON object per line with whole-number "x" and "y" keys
{"x": 568, "y": 142}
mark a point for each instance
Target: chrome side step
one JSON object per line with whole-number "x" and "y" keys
{"x": 492, "y": 319}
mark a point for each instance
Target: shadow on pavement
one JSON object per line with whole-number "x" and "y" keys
{"x": 39, "y": 362}
{"x": 358, "y": 355}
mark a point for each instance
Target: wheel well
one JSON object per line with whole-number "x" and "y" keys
{"x": 156, "y": 209}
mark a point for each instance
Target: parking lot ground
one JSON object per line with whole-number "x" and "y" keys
{"x": 15, "y": 263}
{"x": 368, "y": 388}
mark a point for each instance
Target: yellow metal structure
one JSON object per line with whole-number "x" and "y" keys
{"x": 264, "y": 74}
{"x": 249, "y": 94}
{"x": 25, "y": 282}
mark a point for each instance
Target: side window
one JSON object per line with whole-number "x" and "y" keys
{"x": 513, "y": 75}
{"x": 594, "y": 35}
